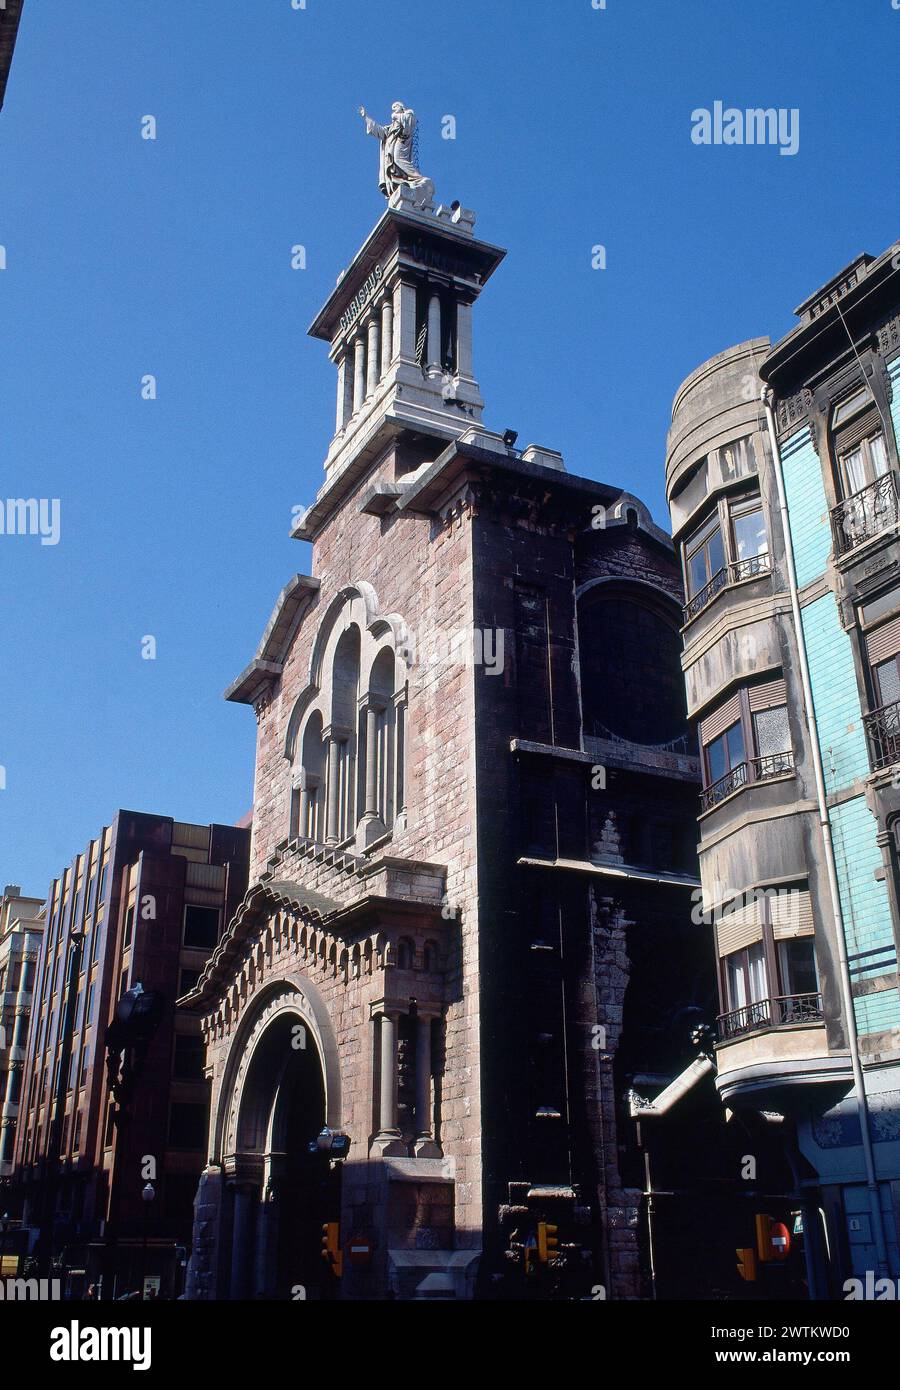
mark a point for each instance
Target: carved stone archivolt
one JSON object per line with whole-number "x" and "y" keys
{"x": 291, "y": 1001}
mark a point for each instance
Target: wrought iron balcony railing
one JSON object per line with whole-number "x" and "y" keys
{"x": 866, "y": 514}
{"x": 777, "y": 1012}
{"x": 883, "y": 733}
{"x": 761, "y": 769}
{"x": 733, "y": 573}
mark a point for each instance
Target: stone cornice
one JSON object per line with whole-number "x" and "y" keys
{"x": 256, "y": 680}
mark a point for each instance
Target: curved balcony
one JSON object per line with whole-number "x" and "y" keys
{"x": 777, "y": 1012}
{"x": 766, "y": 768}
{"x": 736, "y": 572}
{"x": 883, "y": 734}
{"x": 865, "y": 515}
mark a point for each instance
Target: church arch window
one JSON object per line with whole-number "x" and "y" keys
{"x": 630, "y": 657}
{"x": 346, "y": 737}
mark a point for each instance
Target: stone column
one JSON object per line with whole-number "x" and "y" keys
{"x": 371, "y": 808}
{"x": 242, "y": 1240}
{"x": 372, "y": 331}
{"x": 359, "y": 371}
{"x": 387, "y": 336}
{"x": 405, "y": 321}
{"x": 388, "y": 1141}
{"x": 434, "y": 334}
{"x": 341, "y": 413}
{"x": 303, "y": 817}
{"x": 425, "y": 1146}
{"x": 371, "y": 827}
{"x": 464, "y": 362}
{"x": 333, "y": 790}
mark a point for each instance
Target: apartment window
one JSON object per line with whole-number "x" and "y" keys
{"x": 887, "y": 681}
{"x": 186, "y": 981}
{"x": 797, "y": 966}
{"x": 736, "y": 459}
{"x": 748, "y": 531}
{"x": 747, "y": 739}
{"x": 128, "y": 926}
{"x": 201, "y": 927}
{"x": 771, "y": 731}
{"x": 733, "y": 544}
{"x": 188, "y": 1057}
{"x": 863, "y": 464}
{"x": 76, "y": 1134}
{"x": 745, "y": 977}
{"x": 110, "y": 1125}
{"x": 725, "y": 753}
{"x": 704, "y": 556}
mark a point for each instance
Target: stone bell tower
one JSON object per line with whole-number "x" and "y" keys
{"x": 399, "y": 327}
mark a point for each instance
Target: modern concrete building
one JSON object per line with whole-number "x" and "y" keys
{"x": 784, "y": 510}
{"x": 133, "y": 918}
{"x": 21, "y": 925}
{"x": 467, "y": 931}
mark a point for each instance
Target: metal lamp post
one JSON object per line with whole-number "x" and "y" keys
{"x": 148, "y": 1193}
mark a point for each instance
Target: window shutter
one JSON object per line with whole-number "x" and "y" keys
{"x": 848, "y": 436}
{"x": 791, "y": 914}
{"x": 739, "y": 928}
{"x": 720, "y": 720}
{"x": 884, "y": 641}
{"x": 768, "y": 696}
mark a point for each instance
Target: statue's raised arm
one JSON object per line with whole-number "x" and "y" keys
{"x": 397, "y": 165}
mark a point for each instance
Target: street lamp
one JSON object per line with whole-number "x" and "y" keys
{"x": 148, "y": 1192}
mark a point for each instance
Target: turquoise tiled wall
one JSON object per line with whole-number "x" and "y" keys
{"x": 838, "y": 714}
{"x": 864, "y": 899}
{"x": 894, "y": 374}
{"x": 807, "y": 506}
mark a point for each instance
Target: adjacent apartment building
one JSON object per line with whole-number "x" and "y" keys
{"x": 782, "y": 481}
{"x": 21, "y": 924}
{"x": 107, "y": 1183}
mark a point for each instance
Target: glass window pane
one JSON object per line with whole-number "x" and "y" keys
{"x": 737, "y": 988}
{"x": 797, "y": 962}
{"x": 697, "y": 575}
{"x": 716, "y": 758}
{"x": 735, "y": 737}
{"x": 854, "y": 473}
{"x": 878, "y": 456}
{"x": 772, "y": 731}
{"x": 716, "y": 552}
{"x": 887, "y": 678}
{"x": 756, "y": 973}
{"x": 850, "y": 405}
{"x": 750, "y": 537}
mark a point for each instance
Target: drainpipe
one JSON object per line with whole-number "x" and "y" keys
{"x": 862, "y": 1104}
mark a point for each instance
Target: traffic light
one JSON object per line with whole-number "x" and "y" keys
{"x": 548, "y": 1242}
{"x": 331, "y": 1247}
{"x": 746, "y": 1266}
{"x": 773, "y": 1241}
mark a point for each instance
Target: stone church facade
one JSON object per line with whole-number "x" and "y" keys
{"x": 468, "y": 923}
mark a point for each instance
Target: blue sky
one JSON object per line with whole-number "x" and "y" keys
{"x": 172, "y": 257}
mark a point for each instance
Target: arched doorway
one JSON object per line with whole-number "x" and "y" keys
{"x": 283, "y": 1193}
